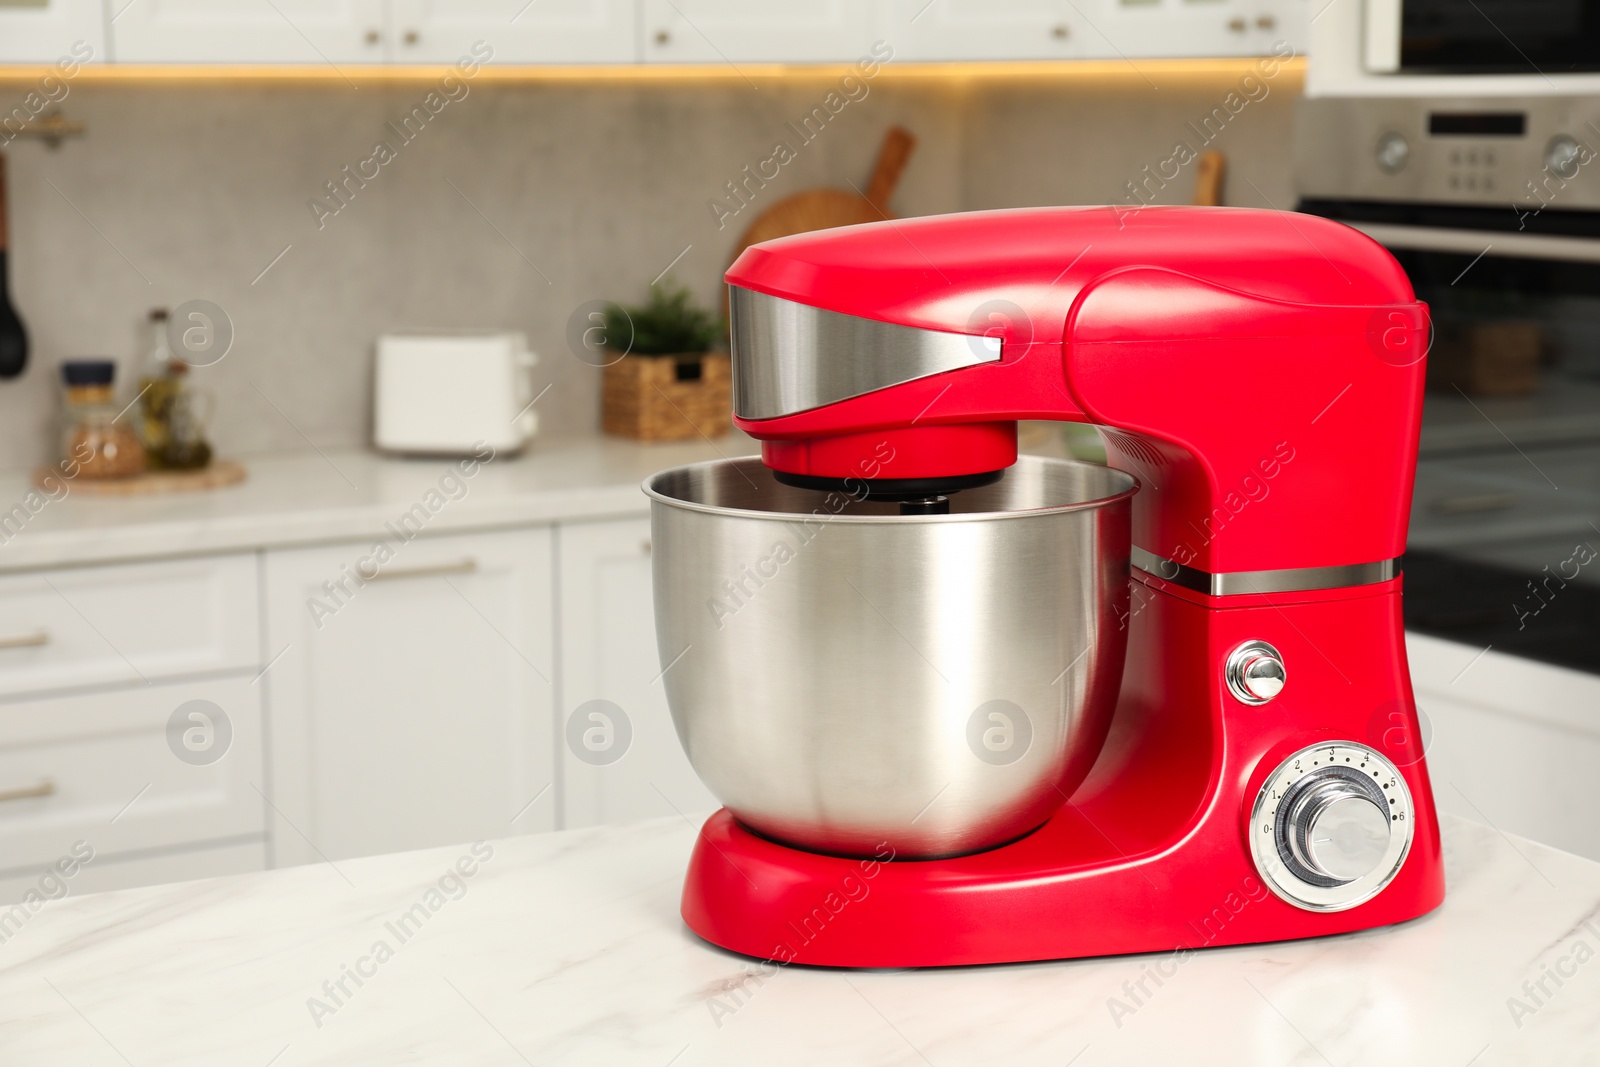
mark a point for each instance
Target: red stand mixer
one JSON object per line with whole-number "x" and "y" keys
{"x": 890, "y": 599}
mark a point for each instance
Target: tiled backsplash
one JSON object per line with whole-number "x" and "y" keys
{"x": 508, "y": 207}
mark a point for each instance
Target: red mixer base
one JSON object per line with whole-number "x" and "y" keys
{"x": 1055, "y": 894}
{"x": 1152, "y": 853}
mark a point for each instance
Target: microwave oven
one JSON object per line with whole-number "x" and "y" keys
{"x": 1547, "y": 37}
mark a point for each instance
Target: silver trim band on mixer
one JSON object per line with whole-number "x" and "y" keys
{"x": 790, "y": 357}
{"x": 1237, "y": 583}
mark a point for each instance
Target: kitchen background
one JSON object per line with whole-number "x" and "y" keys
{"x": 450, "y": 700}
{"x": 189, "y": 191}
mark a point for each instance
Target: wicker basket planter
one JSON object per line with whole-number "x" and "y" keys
{"x": 667, "y": 398}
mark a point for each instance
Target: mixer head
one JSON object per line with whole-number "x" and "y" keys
{"x": 893, "y": 361}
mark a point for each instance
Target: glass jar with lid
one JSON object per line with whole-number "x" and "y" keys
{"x": 95, "y": 443}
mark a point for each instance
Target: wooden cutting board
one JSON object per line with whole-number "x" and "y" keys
{"x": 221, "y": 473}
{"x": 821, "y": 209}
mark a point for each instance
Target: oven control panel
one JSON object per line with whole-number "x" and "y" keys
{"x": 1331, "y": 826}
{"x": 1472, "y": 168}
{"x": 1526, "y": 152}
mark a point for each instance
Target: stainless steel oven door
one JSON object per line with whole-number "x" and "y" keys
{"x": 1504, "y": 546}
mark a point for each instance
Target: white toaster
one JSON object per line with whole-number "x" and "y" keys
{"x": 450, "y": 394}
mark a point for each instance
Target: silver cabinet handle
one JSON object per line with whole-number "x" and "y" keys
{"x": 27, "y": 792}
{"x": 464, "y": 566}
{"x": 25, "y": 639}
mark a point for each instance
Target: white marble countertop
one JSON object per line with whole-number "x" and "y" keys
{"x": 567, "y": 948}
{"x": 311, "y": 497}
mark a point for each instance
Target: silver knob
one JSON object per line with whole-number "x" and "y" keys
{"x": 1255, "y": 673}
{"x": 1331, "y": 826}
{"x": 1393, "y": 152}
{"x": 1564, "y": 155}
{"x": 1336, "y": 830}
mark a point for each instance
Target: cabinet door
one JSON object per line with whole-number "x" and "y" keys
{"x": 628, "y": 763}
{"x": 1137, "y": 29}
{"x": 412, "y": 709}
{"x": 308, "y": 32}
{"x": 44, "y": 31}
{"x": 771, "y": 31}
{"x": 987, "y": 29}
{"x": 1510, "y": 742}
{"x": 519, "y": 31}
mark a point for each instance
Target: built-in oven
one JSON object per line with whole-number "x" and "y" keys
{"x": 1481, "y": 36}
{"x": 1493, "y": 207}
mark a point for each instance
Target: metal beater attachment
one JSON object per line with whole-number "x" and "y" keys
{"x": 916, "y": 496}
{"x": 926, "y": 505}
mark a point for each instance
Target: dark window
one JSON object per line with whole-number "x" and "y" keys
{"x": 1500, "y": 36}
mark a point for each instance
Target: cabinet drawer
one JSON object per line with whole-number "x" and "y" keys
{"x": 134, "y": 623}
{"x": 98, "y": 767}
{"x": 105, "y": 873}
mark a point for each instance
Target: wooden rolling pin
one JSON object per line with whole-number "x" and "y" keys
{"x": 1209, "y": 172}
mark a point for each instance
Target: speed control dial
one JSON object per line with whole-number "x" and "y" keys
{"x": 1331, "y": 826}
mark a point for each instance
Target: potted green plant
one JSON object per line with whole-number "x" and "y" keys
{"x": 670, "y": 377}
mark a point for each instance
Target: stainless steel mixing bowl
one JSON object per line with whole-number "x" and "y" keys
{"x": 843, "y": 677}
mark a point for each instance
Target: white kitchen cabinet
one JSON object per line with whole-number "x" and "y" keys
{"x": 1097, "y": 29}
{"x": 100, "y": 767}
{"x": 771, "y": 31}
{"x": 987, "y": 29}
{"x": 608, "y": 653}
{"x": 43, "y": 31}
{"x": 305, "y": 32}
{"x": 313, "y": 32}
{"x": 1511, "y": 742}
{"x": 1139, "y": 29}
{"x": 133, "y": 623}
{"x": 415, "y": 709}
{"x": 519, "y": 31}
